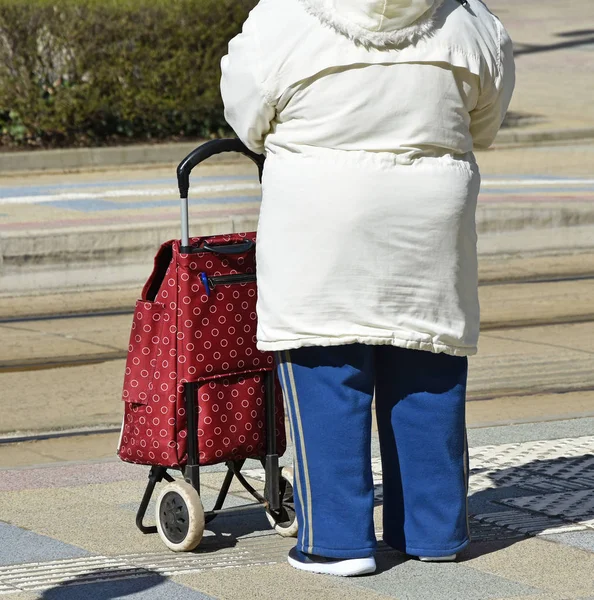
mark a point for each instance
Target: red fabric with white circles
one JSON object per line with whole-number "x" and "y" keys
{"x": 180, "y": 334}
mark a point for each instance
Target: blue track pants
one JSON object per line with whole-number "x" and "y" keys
{"x": 420, "y": 409}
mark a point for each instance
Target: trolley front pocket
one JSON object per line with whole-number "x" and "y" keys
{"x": 145, "y": 344}
{"x": 231, "y": 417}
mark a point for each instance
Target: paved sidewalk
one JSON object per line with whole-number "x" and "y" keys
{"x": 532, "y": 504}
{"x": 554, "y": 51}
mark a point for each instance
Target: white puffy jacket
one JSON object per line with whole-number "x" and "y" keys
{"x": 368, "y": 112}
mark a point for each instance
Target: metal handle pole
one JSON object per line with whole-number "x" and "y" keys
{"x": 193, "y": 159}
{"x": 185, "y": 223}
{"x": 271, "y": 465}
{"x": 192, "y": 469}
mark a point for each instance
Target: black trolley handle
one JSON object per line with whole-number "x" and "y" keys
{"x": 199, "y": 155}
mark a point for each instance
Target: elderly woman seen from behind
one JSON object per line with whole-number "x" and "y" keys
{"x": 368, "y": 112}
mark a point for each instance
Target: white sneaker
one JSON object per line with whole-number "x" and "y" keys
{"x": 344, "y": 567}
{"x": 449, "y": 558}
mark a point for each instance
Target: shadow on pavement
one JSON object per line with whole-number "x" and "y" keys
{"x": 225, "y": 530}
{"x": 542, "y": 495}
{"x": 576, "y": 32}
{"x": 387, "y": 559}
{"x": 84, "y": 587}
{"x": 520, "y": 119}
{"x": 581, "y": 37}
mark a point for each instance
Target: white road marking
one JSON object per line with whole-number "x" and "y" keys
{"x": 199, "y": 190}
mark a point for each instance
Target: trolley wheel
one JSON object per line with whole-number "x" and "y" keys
{"x": 286, "y": 526}
{"x": 180, "y": 516}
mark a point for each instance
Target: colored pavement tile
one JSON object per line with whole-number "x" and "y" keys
{"x": 151, "y": 586}
{"x": 278, "y": 581}
{"x": 413, "y": 580}
{"x": 543, "y": 565}
{"x": 22, "y": 546}
{"x": 578, "y": 539}
{"x": 154, "y": 587}
{"x": 65, "y": 475}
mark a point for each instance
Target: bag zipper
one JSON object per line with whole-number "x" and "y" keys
{"x": 211, "y": 282}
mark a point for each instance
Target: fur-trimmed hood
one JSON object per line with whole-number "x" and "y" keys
{"x": 378, "y": 23}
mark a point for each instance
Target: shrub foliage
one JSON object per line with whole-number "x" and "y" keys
{"x": 90, "y": 72}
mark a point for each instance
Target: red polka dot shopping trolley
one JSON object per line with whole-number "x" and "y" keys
{"x": 197, "y": 391}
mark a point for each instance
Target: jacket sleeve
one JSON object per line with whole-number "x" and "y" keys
{"x": 495, "y": 96}
{"x": 248, "y": 109}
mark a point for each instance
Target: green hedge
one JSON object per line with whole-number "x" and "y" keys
{"x": 91, "y": 72}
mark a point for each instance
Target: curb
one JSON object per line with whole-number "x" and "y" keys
{"x": 97, "y": 158}
{"x": 121, "y": 156}
{"x": 510, "y": 137}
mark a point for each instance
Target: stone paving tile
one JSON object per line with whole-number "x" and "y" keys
{"x": 529, "y": 455}
{"x": 22, "y": 546}
{"x": 278, "y": 581}
{"x": 481, "y": 532}
{"x": 542, "y": 564}
{"x": 112, "y": 493}
{"x": 72, "y": 518}
{"x": 540, "y": 597}
{"x": 414, "y": 580}
{"x": 91, "y": 447}
{"x": 527, "y": 523}
{"x": 485, "y": 500}
{"x": 580, "y": 539}
{"x": 68, "y": 475}
{"x": 127, "y": 494}
{"x": 98, "y": 523}
{"x": 529, "y": 432}
{"x": 22, "y": 455}
{"x": 544, "y": 487}
{"x": 143, "y": 588}
{"x": 576, "y": 506}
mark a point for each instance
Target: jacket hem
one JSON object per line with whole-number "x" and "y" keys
{"x": 428, "y": 346}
